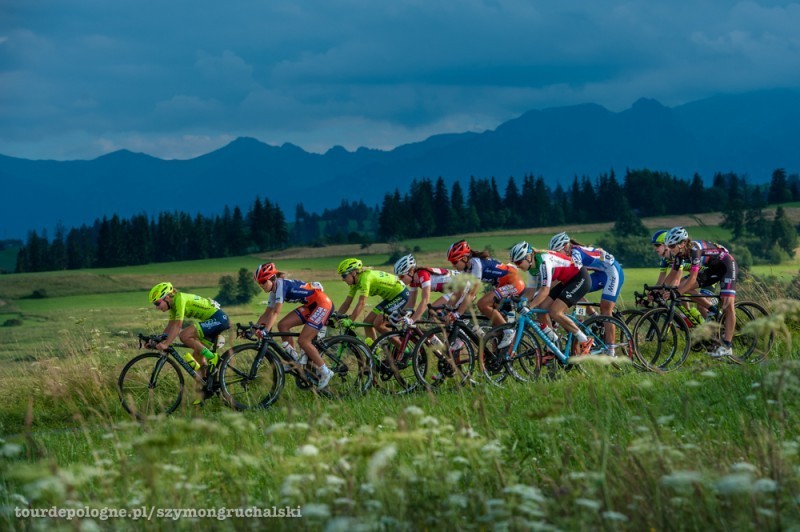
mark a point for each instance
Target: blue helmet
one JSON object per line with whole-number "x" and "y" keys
{"x": 659, "y": 236}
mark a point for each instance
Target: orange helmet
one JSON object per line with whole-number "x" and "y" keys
{"x": 265, "y": 272}
{"x": 458, "y": 251}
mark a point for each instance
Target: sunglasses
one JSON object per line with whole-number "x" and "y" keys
{"x": 657, "y": 245}
{"x": 520, "y": 261}
{"x": 673, "y": 246}
{"x": 344, "y": 275}
{"x": 157, "y": 303}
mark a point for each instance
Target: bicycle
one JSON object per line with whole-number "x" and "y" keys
{"x": 527, "y": 353}
{"x": 153, "y": 383}
{"x": 393, "y": 354}
{"x": 664, "y": 341}
{"x": 444, "y": 355}
{"x": 347, "y": 356}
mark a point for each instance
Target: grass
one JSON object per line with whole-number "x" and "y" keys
{"x": 712, "y": 446}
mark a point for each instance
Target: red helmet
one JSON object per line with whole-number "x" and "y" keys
{"x": 265, "y": 272}
{"x": 458, "y": 251}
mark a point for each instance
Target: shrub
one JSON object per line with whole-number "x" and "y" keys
{"x": 13, "y": 322}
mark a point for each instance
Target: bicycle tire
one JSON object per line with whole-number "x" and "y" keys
{"x": 350, "y": 359}
{"x": 621, "y": 353}
{"x": 764, "y": 337}
{"x": 440, "y": 362}
{"x": 495, "y": 362}
{"x": 150, "y": 384}
{"x": 393, "y": 372}
{"x": 251, "y": 378}
{"x": 661, "y": 345}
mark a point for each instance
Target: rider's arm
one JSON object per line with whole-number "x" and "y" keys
{"x": 270, "y": 316}
{"x": 540, "y": 296}
{"x": 346, "y": 305}
{"x": 423, "y": 302}
{"x": 362, "y": 302}
{"x": 172, "y": 331}
{"x": 468, "y": 299}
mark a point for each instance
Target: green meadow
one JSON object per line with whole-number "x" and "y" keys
{"x": 710, "y": 446}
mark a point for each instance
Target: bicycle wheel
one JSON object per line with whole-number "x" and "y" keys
{"x": 392, "y": 359}
{"x": 351, "y": 362}
{"x": 443, "y": 359}
{"x": 250, "y": 378}
{"x": 759, "y": 340}
{"x": 497, "y": 363}
{"x": 150, "y": 384}
{"x": 661, "y": 343}
{"x": 619, "y": 348}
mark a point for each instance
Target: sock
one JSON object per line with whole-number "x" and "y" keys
{"x": 579, "y": 336}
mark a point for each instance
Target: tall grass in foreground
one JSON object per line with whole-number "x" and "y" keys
{"x": 713, "y": 446}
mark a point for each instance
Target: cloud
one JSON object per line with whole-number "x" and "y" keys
{"x": 358, "y": 72}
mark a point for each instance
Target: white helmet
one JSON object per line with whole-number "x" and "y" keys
{"x": 559, "y": 242}
{"x": 676, "y": 235}
{"x": 404, "y": 264}
{"x": 519, "y": 251}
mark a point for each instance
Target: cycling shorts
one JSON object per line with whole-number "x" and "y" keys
{"x": 213, "y": 326}
{"x": 573, "y": 290}
{"x": 611, "y": 283}
{"x": 722, "y": 272}
{"x": 316, "y": 311}
{"x": 391, "y": 306}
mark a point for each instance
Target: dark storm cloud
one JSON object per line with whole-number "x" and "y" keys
{"x": 181, "y": 78}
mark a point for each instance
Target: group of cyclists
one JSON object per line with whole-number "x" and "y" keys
{"x": 554, "y": 279}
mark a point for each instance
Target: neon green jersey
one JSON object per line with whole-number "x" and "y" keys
{"x": 377, "y": 283}
{"x": 192, "y": 306}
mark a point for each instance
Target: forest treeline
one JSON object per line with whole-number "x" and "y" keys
{"x": 427, "y": 208}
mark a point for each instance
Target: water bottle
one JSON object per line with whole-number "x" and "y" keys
{"x": 291, "y": 351}
{"x": 550, "y": 333}
{"x": 479, "y": 332}
{"x": 191, "y": 361}
{"x": 303, "y": 358}
{"x": 695, "y": 316}
{"x": 322, "y": 332}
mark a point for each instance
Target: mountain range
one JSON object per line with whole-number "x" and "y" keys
{"x": 750, "y": 134}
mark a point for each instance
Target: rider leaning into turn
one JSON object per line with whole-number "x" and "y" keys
{"x": 366, "y": 282}
{"x": 719, "y": 267}
{"x": 212, "y": 321}
{"x": 312, "y": 314}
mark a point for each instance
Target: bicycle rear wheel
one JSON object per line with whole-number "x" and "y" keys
{"x": 250, "y": 378}
{"x": 619, "y": 348}
{"x": 750, "y": 345}
{"x": 497, "y": 363}
{"x": 443, "y": 359}
{"x": 150, "y": 384}
{"x": 351, "y": 362}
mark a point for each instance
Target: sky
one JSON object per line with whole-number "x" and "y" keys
{"x": 179, "y": 78}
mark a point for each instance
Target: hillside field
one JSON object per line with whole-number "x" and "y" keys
{"x": 710, "y": 446}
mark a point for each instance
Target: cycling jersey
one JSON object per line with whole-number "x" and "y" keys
{"x": 435, "y": 278}
{"x": 293, "y": 291}
{"x": 191, "y": 306}
{"x": 668, "y": 263}
{"x": 376, "y": 283}
{"x": 550, "y": 266}
{"x": 606, "y": 273}
{"x": 505, "y": 278}
{"x": 701, "y": 253}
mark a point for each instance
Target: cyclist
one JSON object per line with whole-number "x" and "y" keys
{"x": 605, "y": 272}
{"x": 199, "y": 336}
{"x": 366, "y": 282}
{"x": 312, "y": 314}
{"x": 504, "y": 278}
{"x": 573, "y": 280}
{"x": 663, "y": 252}
{"x": 719, "y": 267}
{"x": 423, "y": 280}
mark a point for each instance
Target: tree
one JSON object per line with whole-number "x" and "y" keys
{"x": 784, "y": 233}
{"x": 245, "y": 287}
{"x": 779, "y": 191}
{"x": 628, "y": 223}
{"x": 227, "y": 291}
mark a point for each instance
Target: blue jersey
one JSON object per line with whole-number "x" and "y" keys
{"x": 491, "y": 271}
{"x": 292, "y": 291}
{"x": 594, "y": 259}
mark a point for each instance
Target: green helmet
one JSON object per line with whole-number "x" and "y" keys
{"x": 348, "y": 265}
{"x": 160, "y": 291}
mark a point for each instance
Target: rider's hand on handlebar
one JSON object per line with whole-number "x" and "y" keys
{"x": 345, "y": 323}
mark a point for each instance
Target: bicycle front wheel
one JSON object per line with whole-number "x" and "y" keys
{"x": 662, "y": 342}
{"x": 250, "y": 378}
{"x": 351, "y": 362}
{"x": 613, "y": 339}
{"x": 150, "y": 384}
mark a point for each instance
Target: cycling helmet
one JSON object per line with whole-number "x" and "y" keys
{"x": 676, "y": 235}
{"x": 265, "y": 272}
{"x": 659, "y": 236}
{"x": 160, "y": 291}
{"x": 458, "y": 251}
{"x": 404, "y": 265}
{"x": 348, "y": 265}
{"x": 519, "y": 251}
{"x": 559, "y": 242}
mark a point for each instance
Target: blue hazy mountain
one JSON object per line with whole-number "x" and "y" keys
{"x": 750, "y": 134}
